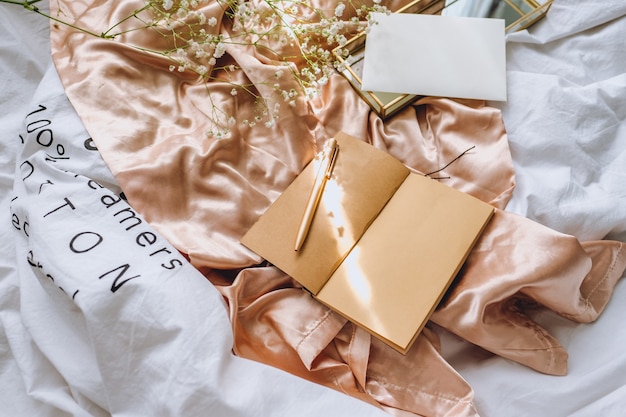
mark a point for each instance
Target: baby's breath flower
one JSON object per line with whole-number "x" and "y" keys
{"x": 220, "y": 49}
{"x": 233, "y": 92}
{"x": 339, "y": 9}
{"x": 181, "y": 13}
{"x": 201, "y": 17}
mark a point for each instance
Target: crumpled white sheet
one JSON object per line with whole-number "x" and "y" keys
{"x": 565, "y": 119}
{"x": 99, "y": 315}
{"x": 121, "y": 353}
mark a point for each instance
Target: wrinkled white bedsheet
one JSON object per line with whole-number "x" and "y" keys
{"x": 65, "y": 352}
{"x": 565, "y": 118}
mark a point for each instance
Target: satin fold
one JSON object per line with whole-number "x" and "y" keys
{"x": 516, "y": 266}
{"x": 269, "y": 310}
{"x": 203, "y": 193}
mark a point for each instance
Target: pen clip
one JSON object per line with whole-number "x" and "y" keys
{"x": 331, "y": 163}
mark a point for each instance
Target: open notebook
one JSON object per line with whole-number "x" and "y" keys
{"x": 384, "y": 244}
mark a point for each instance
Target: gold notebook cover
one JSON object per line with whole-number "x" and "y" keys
{"x": 384, "y": 245}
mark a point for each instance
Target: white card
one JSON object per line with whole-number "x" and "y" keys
{"x": 434, "y": 55}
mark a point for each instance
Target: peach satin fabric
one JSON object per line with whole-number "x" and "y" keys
{"x": 203, "y": 194}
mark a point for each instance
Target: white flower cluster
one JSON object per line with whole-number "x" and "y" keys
{"x": 296, "y": 36}
{"x": 293, "y": 33}
{"x": 194, "y": 36}
{"x": 318, "y": 37}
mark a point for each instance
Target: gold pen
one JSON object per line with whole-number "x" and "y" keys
{"x": 323, "y": 174}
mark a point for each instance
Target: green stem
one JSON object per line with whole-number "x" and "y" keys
{"x": 135, "y": 13}
{"x": 26, "y": 4}
{"x": 30, "y": 5}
